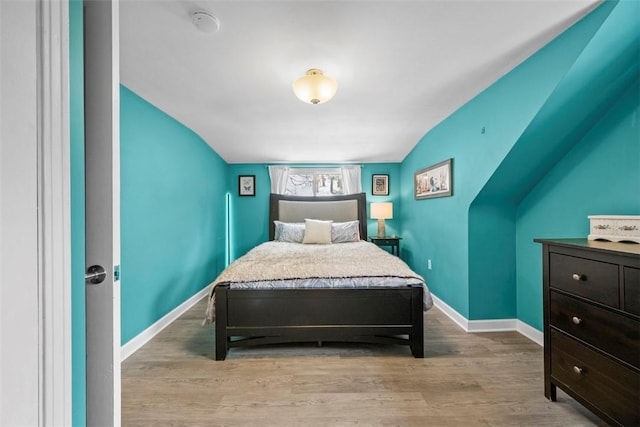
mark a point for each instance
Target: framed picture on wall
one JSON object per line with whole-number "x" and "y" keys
{"x": 247, "y": 185}
{"x": 380, "y": 185}
{"x": 433, "y": 181}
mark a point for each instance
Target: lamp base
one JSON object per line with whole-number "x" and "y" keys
{"x": 381, "y": 228}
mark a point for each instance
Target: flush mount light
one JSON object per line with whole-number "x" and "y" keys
{"x": 315, "y": 87}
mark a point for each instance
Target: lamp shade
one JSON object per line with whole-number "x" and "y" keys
{"x": 382, "y": 210}
{"x": 315, "y": 87}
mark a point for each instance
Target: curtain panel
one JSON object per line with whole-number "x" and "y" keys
{"x": 302, "y": 180}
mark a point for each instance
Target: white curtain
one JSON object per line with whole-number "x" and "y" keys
{"x": 279, "y": 176}
{"x": 351, "y": 179}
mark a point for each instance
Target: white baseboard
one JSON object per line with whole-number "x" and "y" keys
{"x": 530, "y": 332}
{"x": 458, "y": 318}
{"x": 498, "y": 325}
{"x": 145, "y": 336}
{"x": 493, "y": 325}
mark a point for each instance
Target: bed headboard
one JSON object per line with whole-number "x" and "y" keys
{"x": 337, "y": 208}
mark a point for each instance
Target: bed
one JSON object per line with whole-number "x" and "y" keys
{"x": 284, "y": 291}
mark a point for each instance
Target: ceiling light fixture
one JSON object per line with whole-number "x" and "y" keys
{"x": 315, "y": 87}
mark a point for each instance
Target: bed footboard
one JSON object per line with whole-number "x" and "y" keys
{"x": 254, "y": 317}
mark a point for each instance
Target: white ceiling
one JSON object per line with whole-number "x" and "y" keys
{"x": 401, "y": 66}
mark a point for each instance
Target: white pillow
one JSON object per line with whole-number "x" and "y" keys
{"x": 317, "y": 231}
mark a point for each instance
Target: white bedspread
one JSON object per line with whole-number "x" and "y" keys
{"x": 278, "y": 265}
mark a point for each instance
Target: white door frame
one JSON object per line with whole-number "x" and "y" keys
{"x": 35, "y": 308}
{"x": 54, "y": 194}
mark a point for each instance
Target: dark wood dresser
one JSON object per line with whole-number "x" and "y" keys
{"x": 592, "y": 325}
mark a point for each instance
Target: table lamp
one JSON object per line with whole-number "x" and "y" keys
{"x": 381, "y": 211}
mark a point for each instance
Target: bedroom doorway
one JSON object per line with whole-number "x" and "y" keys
{"x": 102, "y": 211}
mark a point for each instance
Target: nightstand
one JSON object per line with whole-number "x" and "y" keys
{"x": 391, "y": 241}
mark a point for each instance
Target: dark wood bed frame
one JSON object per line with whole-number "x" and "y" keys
{"x": 254, "y": 317}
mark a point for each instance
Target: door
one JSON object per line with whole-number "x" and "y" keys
{"x": 102, "y": 187}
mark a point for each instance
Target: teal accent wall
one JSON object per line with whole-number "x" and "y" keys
{"x": 173, "y": 225}
{"x": 504, "y": 143}
{"x": 470, "y": 237}
{"x": 599, "y": 176}
{"x": 250, "y": 215}
{"x": 76, "y": 129}
{"x": 392, "y": 226}
{"x": 605, "y": 68}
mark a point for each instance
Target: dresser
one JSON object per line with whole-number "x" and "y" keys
{"x": 591, "y": 300}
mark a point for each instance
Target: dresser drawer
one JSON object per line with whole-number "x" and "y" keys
{"x": 632, "y": 290}
{"x": 594, "y": 280}
{"x": 605, "y": 384}
{"x": 619, "y": 335}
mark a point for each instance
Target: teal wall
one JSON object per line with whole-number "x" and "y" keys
{"x": 392, "y": 226}
{"x": 173, "y": 223}
{"x": 598, "y": 177}
{"x": 478, "y": 137}
{"x": 76, "y": 129}
{"x": 605, "y": 68}
{"x": 250, "y": 215}
{"x": 504, "y": 142}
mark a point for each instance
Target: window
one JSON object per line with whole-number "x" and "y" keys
{"x": 315, "y": 181}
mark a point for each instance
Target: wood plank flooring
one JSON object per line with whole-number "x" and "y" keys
{"x": 488, "y": 379}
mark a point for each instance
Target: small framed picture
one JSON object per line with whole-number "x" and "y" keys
{"x": 380, "y": 185}
{"x": 247, "y": 185}
{"x": 433, "y": 181}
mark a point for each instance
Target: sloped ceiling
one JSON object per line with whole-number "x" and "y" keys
{"x": 402, "y": 67}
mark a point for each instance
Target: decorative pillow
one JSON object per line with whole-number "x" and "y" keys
{"x": 292, "y": 232}
{"x": 344, "y": 232}
{"x": 317, "y": 231}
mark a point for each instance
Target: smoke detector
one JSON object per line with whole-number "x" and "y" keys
{"x": 205, "y": 21}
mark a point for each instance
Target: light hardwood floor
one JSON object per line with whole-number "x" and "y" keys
{"x": 487, "y": 379}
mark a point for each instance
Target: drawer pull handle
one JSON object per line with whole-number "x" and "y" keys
{"x": 578, "y": 370}
{"x": 576, "y": 320}
{"x": 578, "y": 277}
